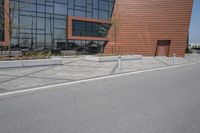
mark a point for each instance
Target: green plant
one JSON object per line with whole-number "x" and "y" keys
{"x": 55, "y": 52}
{"x": 188, "y": 51}
{"x": 29, "y": 53}
{"x": 37, "y": 53}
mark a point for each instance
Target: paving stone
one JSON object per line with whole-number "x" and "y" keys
{"x": 78, "y": 68}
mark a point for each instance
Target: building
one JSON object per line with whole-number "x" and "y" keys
{"x": 147, "y": 27}
{"x": 4, "y": 23}
{"x": 49, "y": 24}
{"x": 152, "y": 27}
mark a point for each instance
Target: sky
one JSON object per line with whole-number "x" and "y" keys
{"x": 195, "y": 23}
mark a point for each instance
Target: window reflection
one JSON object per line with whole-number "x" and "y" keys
{"x": 42, "y": 23}
{"x": 90, "y": 29}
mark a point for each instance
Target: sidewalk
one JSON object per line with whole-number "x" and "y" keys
{"x": 76, "y": 69}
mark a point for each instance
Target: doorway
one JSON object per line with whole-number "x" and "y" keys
{"x": 163, "y": 47}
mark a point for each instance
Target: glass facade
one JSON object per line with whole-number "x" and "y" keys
{"x": 89, "y": 29}
{"x": 39, "y": 24}
{"x": 1, "y": 20}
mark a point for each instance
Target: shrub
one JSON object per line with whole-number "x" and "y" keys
{"x": 188, "y": 50}
{"x": 37, "y": 53}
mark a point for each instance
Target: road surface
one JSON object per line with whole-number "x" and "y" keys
{"x": 164, "y": 101}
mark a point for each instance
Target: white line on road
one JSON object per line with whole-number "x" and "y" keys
{"x": 88, "y": 80}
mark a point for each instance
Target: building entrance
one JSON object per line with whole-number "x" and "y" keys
{"x": 163, "y": 47}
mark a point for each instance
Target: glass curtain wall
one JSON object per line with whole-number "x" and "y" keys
{"x": 89, "y": 29}
{"x": 42, "y": 24}
{"x": 1, "y": 20}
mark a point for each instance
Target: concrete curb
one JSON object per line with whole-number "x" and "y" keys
{"x": 112, "y": 58}
{"x": 30, "y": 63}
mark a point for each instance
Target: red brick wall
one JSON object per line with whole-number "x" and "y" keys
{"x": 141, "y": 23}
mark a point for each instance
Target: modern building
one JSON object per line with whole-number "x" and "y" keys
{"x": 4, "y": 23}
{"x": 147, "y": 27}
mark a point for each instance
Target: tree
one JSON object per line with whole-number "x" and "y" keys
{"x": 13, "y": 7}
{"x": 116, "y": 21}
{"x": 51, "y": 31}
{"x": 114, "y": 27}
{"x": 1, "y": 27}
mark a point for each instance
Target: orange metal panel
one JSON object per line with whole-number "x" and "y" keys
{"x": 143, "y": 22}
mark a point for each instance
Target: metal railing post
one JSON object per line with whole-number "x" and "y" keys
{"x": 174, "y": 59}
{"x": 120, "y": 62}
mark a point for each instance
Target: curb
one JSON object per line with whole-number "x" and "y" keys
{"x": 30, "y": 63}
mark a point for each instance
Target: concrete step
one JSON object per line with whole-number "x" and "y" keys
{"x": 112, "y": 58}
{"x": 30, "y": 63}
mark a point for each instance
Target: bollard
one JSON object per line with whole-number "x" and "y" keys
{"x": 174, "y": 59}
{"x": 119, "y": 62}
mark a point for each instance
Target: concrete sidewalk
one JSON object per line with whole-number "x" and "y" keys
{"x": 76, "y": 69}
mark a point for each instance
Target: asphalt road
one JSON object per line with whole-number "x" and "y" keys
{"x": 165, "y": 101}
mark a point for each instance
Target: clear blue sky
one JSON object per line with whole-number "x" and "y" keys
{"x": 195, "y": 22}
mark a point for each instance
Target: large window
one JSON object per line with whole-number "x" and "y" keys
{"x": 90, "y": 29}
